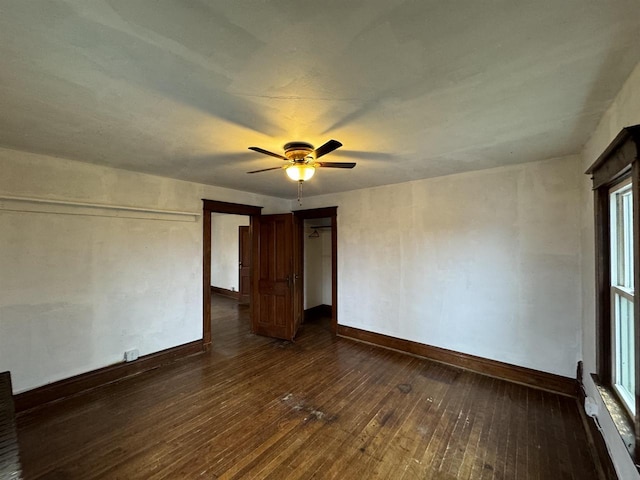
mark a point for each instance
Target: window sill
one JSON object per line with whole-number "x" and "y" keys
{"x": 618, "y": 414}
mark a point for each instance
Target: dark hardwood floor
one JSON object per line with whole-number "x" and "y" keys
{"x": 321, "y": 407}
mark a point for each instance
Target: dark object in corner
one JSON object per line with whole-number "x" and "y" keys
{"x": 9, "y": 454}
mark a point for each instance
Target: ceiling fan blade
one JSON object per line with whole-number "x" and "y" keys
{"x": 267, "y": 152}
{"x": 328, "y": 147}
{"x": 266, "y": 169}
{"x": 336, "y": 164}
{"x": 364, "y": 155}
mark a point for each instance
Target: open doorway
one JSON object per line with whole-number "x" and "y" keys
{"x": 223, "y": 224}
{"x": 230, "y": 286}
{"x": 286, "y": 266}
{"x": 318, "y": 236}
{"x": 317, "y": 270}
{"x": 231, "y": 256}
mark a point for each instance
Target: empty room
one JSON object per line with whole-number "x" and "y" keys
{"x": 333, "y": 239}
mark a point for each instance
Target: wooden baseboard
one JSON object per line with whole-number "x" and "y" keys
{"x": 226, "y": 293}
{"x": 596, "y": 440}
{"x": 513, "y": 373}
{"x": 317, "y": 312}
{"x": 86, "y": 381}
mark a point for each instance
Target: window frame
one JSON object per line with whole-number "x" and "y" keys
{"x": 617, "y": 163}
{"x": 621, "y": 284}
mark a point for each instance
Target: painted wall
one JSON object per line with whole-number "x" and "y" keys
{"x": 624, "y": 111}
{"x": 312, "y": 269}
{"x": 494, "y": 263}
{"x": 317, "y": 267}
{"x": 486, "y": 263}
{"x": 78, "y": 285}
{"x": 225, "y": 250}
{"x": 325, "y": 236}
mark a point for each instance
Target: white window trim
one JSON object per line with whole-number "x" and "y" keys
{"x": 628, "y": 398}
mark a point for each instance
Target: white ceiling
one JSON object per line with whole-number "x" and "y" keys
{"x": 413, "y": 89}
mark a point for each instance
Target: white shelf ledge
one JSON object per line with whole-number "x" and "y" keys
{"x": 66, "y": 207}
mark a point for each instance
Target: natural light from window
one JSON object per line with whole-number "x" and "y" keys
{"x": 622, "y": 293}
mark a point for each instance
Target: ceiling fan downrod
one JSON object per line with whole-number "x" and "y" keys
{"x": 300, "y": 182}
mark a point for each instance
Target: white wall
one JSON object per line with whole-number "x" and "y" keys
{"x": 312, "y": 269}
{"x": 317, "y": 267}
{"x": 325, "y": 235}
{"x": 493, "y": 263}
{"x": 79, "y": 286}
{"x": 624, "y": 111}
{"x": 486, "y": 263}
{"x": 225, "y": 250}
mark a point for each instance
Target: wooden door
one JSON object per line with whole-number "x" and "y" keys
{"x": 244, "y": 267}
{"x": 273, "y": 293}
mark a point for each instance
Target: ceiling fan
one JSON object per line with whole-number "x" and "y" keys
{"x": 302, "y": 159}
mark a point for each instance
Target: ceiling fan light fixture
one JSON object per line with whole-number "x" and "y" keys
{"x": 300, "y": 171}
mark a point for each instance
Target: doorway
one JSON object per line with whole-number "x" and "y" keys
{"x": 257, "y": 221}
{"x": 320, "y": 262}
{"x": 230, "y": 309}
{"x": 222, "y": 250}
{"x": 230, "y": 241}
{"x": 317, "y": 298}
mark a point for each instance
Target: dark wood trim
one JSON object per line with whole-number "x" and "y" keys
{"x": 618, "y": 161}
{"x": 596, "y": 440}
{"x": 232, "y": 208}
{"x": 206, "y": 278}
{"x": 255, "y": 273}
{"x": 102, "y": 376}
{"x": 209, "y": 207}
{"x": 615, "y": 161}
{"x": 603, "y": 290}
{"x": 244, "y": 253}
{"x": 10, "y": 467}
{"x": 334, "y": 273}
{"x": 225, "y": 293}
{"x": 318, "y": 311}
{"x": 328, "y": 212}
{"x": 505, "y": 371}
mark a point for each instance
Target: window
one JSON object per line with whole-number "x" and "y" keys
{"x": 616, "y": 188}
{"x": 622, "y": 293}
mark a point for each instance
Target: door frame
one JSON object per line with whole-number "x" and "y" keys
{"x": 209, "y": 207}
{"x": 332, "y": 213}
{"x": 241, "y": 251}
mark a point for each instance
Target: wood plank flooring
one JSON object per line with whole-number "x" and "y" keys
{"x": 321, "y": 407}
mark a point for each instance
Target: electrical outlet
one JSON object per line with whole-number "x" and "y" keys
{"x": 131, "y": 355}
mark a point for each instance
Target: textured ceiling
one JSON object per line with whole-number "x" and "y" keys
{"x": 413, "y": 89}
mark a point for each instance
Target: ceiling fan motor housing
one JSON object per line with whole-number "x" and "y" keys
{"x": 298, "y": 151}
{"x": 301, "y": 159}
